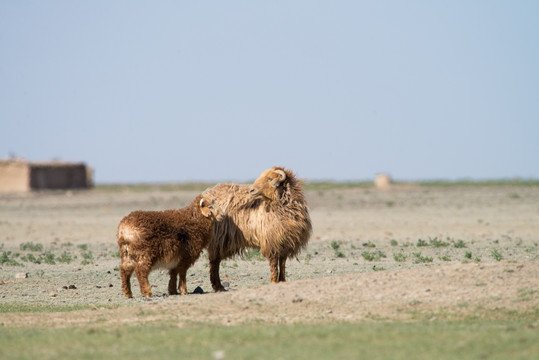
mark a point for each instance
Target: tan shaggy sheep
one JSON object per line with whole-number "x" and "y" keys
{"x": 170, "y": 239}
{"x": 271, "y": 215}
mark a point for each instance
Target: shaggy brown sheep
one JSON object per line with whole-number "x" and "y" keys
{"x": 170, "y": 239}
{"x": 270, "y": 215}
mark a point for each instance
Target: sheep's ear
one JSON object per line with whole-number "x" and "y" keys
{"x": 278, "y": 180}
{"x": 204, "y": 209}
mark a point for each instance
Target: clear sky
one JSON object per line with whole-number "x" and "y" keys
{"x": 164, "y": 91}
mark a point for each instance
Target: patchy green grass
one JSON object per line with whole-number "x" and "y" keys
{"x": 419, "y": 259}
{"x": 459, "y": 244}
{"x": 469, "y": 339}
{"x": 30, "y": 246}
{"x": 252, "y": 254}
{"x": 373, "y": 255}
{"x": 434, "y": 242}
{"x": 399, "y": 257}
{"x": 8, "y": 258}
{"x": 369, "y": 244}
{"x": 26, "y": 308}
{"x": 65, "y": 258}
{"x": 335, "y": 246}
{"x": 496, "y": 255}
{"x": 88, "y": 257}
{"x": 421, "y": 242}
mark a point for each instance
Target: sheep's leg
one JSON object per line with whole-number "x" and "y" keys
{"x": 142, "y": 273}
{"x": 183, "y": 280}
{"x": 126, "y": 270}
{"x": 173, "y": 283}
{"x": 214, "y": 275}
{"x": 274, "y": 268}
{"x": 282, "y": 268}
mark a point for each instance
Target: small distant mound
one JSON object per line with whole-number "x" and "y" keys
{"x": 382, "y": 181}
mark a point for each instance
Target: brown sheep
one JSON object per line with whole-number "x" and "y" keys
{"x": 170, "y": 239}
{"x": 270, "y": 215}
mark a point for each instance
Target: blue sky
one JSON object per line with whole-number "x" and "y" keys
{"x": 167, "y": 91}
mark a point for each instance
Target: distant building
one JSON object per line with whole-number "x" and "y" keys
{"x": 383, "y": 181}
{"x": 22, "y": 176}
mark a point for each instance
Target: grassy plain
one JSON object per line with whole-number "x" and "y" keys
{"x": 439, "y": 270}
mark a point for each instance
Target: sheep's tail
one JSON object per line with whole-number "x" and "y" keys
{"x": 124, "y": 247}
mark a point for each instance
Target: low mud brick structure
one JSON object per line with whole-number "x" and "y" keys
{"x": 23, "y": 176}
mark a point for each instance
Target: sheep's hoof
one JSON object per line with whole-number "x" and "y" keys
{"x": 219, "y": 288}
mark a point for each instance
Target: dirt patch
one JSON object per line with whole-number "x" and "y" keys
{"x": 394, "y": 254}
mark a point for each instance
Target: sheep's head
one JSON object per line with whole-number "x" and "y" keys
{"x": 210, "y": 209}
{"x": 269, "y": 183}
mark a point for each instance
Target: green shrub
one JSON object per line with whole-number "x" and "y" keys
{"x": 437, "y": 243}
{"x": 421, "y": 259}
{"x": 421, "y": 242}
{"x": 65, "y": 258}
{"x": 373, "y": 255}
{"x": 496, "y": 255}
{"x": 335, "y": 246}
{"x": 30, "y": 246}
{"x": 399, "y": 257}
{"x": 459, "y": 244}
{"x": 88, "y": 257}
{"x": 7, "y": 259}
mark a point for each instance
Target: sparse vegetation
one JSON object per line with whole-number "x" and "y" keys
{"x": 369, "y": 244}
{"x": 435, "y": 242}
{"x": 335, "y": 246}
{"x": 477, "y": 325}
{"x": 88, "y": 257}
{"x": 418, "y": 258}
{"x": 496, "y": 255}
{"x": 30, "y": 246}
{"x": 7, "y": 258}
{"x": 252, "y": 254}
{"x": 421, "y": 242}
{"x": 48, "y": 258}
{"x": 399, "y": 257}
{"x": 65, "y": 258}
{"x": 373, "y": 255}
{"x": 459, "y": 244}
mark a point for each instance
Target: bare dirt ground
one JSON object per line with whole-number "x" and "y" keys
{"x": 407, "y": 252}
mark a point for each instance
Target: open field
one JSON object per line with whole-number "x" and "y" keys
{"x": 417, "y": 271}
